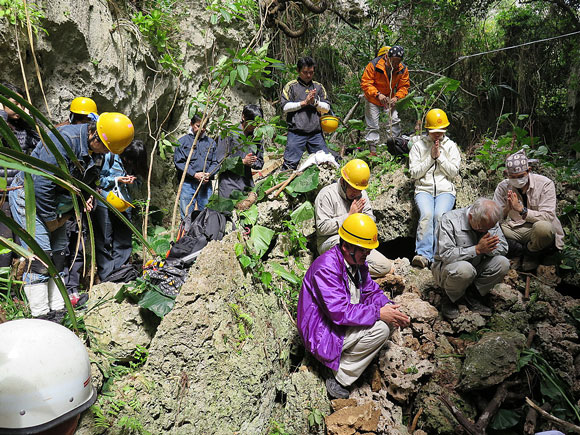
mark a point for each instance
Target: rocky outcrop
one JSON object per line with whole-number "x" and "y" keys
{"x": 116, "y": 329}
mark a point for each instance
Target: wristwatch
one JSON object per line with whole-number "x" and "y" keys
{"x": 524, "y": 211}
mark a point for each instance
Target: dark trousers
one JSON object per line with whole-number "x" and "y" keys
{"x": 74, "y": 261}
{"x": 298, "y": 143}
{"x": 113, "y": 241}
{"x": 6, "y": 259}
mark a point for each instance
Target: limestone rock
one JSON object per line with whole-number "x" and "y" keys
{"x": 117, "y": 327}
{"x": 504, "y": 297}
{"x": 354, "y": 419}
{"x": 402, "y": 369}
{"x": 304, "y": 391}
{"x": 508, "y": 321}
{"x": 272, "y": 214}
{"x": 218, "y": 357}
{"x": 419, "y": 310}
{"x": 491, "y": 360}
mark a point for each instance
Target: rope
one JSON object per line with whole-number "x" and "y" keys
{"x": 459, "y": 59}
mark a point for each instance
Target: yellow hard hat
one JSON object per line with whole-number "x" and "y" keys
{"x": 383, "y": 50}
{"x": 436, "y": 119}
{"x": 118, "y": 202}
{"x": 116, "y": 131}
{"x": 328, "y": 123}
{"x": 356, "y": 173}
{"x": 359, "y": 229}
{"x": 83, "y": 106}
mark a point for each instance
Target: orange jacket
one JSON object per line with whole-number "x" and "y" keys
{"x": 377, "y": 78}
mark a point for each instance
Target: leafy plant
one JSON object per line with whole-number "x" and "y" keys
{"x": 244, "y": 322}
{"x": 159, "y": 25}
{"x": 315, "y": 418}
{"x": 227, "y": 11}
{"x": 146, "y": 295}
{"x": 552, "y": 387}
{"x": 14, "y": 12}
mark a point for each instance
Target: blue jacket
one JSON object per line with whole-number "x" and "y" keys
{"x": 48, "y": 194}
{"x": 325, "y": 310}
{"x": 204, "y": 145}
{"x": 112, "y": 168}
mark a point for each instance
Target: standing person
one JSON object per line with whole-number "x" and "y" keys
{"x": 529, "y": 203}
{"x": 45, "y": 381}
{"x": 112, "y": 132}
{"x": 27, "y": 138}
{"x": 337, "y": 201}
{"x": 343, "y": 315}
{"x": 384, "y": 82}
{"x": 470, "y": 256}
{"x": 433, "y": 163}
{"x": 83, "y": 110}
{"x": 201, "y": 168}
{"x": 113, "y": 239}
{"x": 242, "y": 145}
{"x": 303, "y": 101}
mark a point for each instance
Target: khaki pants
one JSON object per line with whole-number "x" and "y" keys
{"x": 454, "y": 278}
{"x": 361, "y": 344}
{"x": 379, "y": 265}
{"x": 536, "y": 237}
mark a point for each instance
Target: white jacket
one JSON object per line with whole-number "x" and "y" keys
{"x": 433, "y": 176}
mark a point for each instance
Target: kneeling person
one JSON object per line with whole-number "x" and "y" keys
{"x": 342, "y": 199}
{"x": 343, "y": 315}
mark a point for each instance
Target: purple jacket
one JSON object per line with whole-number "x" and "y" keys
{"x": 324, "y": 308}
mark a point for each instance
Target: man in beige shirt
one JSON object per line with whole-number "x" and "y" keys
{"x": 529, "y": 204}
{"x": 336, "y": 202}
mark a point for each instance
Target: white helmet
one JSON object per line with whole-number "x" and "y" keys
{"x": 45, "y": 376}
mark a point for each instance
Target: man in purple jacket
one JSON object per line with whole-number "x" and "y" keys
{"x": 342, "y": 313}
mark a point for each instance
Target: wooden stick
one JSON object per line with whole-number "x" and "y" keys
{"x": 531, "y": 417}
{"x": 271, "y": 189}
{"x": 415, "y": 420}
{"x": 564, "y": 424}
{"x": 461, "y": 419}
{"x": 527, "y": 292}
{"x": 286, "y": 183}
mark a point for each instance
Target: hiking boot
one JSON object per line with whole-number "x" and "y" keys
{"x": 335, "y": 390}
{"x": 58, "y": 316}
{"x": 474, "y": 303}
{"x": 449, "y": 309}
{"x": 420, "y": 262}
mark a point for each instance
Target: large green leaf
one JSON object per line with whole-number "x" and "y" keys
{"x": 260, "y": 239}
{"x": 302, "y": 213}
{"x": 220, "y": 204}
{"x": 288, "y": 275}
{"x": 305, "y": 182}
{"x": 233, "y": 164}
{"x": 446, "y": 84}
{"x": 505, "y": 418}
{"x": 249, "y": 216}
{"x": 157, "y": 302}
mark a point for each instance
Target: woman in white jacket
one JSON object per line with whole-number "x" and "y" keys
{"x": 433, "y": 163}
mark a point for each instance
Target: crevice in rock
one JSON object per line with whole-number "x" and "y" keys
{"x": 401, "y": 247}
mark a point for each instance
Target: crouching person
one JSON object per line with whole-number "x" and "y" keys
{"x": 342, "y": 199}
{"x": 343, "y": 315}
{"x": 532, "y": 227}
{"x": 470, "y": 256}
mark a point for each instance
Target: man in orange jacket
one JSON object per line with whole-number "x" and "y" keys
{"x": 384, "y": 82}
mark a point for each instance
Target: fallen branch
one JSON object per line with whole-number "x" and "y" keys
{"x": 569, "y": 427}
{"x": 286, "y": 183}
{"x": 531, "y": 417}
{"x": 415, "y": 420}
{"x": 458, "y": 415}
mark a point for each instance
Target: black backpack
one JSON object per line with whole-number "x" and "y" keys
{"x": 197, "y": 231}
